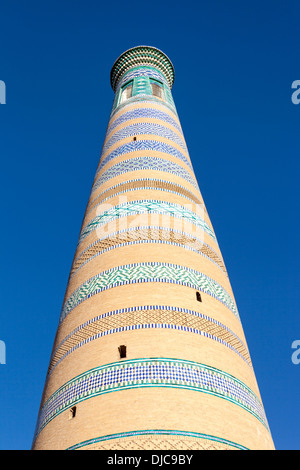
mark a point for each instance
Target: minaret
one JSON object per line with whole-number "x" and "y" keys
{"x": 150, "y": 351}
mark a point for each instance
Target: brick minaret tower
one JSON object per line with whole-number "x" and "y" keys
{"x": 150, "y": 351}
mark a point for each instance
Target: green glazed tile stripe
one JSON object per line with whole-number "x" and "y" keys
{"x": 146, "y": 207}
{"x": 148, "y": 272}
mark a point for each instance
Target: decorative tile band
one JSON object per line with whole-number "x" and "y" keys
{"x": 146, "y": 129}
{"x": 147, "y": 234}
{"x": 145, "y": 145}
{"x": 154, "y": 372}
{"x": 138, "y": 113}
{"x": 210, "y": 440}
{"x": 141, "y": 72}
{"x": 147, "y": 183}
{"x": 148, "y": 272}
{"x": 145, "y": 163}
{"x": 141, "y": 87}
{"x": 148, "y": 317}
{"x": 142, "y": 100}
{"x": 147, "y": 207}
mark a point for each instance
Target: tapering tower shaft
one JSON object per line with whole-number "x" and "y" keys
{"x": 150, "y": 351}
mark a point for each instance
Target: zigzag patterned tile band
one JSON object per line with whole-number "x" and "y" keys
{"x": 150, "y": 113}
{"x": 147, "y": 207}
{"x": 156, "y": 372}
{"x": 145, "y": 163}
{"x": 143, "y": 145}
{"x": 147, "y": 129}
{"x": 148, "y": 272}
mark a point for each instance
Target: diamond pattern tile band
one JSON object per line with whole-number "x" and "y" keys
{"x": 148, "y": 317}
{"x": 158, "y": 372}
{"x": 146, "y": 234}
{"x": 140, "y": 184}
{"x": 159, "y": 433}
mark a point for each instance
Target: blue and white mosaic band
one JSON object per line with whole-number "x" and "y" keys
{"x": 158, "y": 433}
{"x": 156, "y": 372}
{"x": 148, "y": 272}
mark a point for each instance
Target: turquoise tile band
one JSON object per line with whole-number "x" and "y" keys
{"x": 154, "y": 372}
{"x": 186, "y": 214}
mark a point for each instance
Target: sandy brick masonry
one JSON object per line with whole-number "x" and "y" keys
{"x": 148, "y": 275}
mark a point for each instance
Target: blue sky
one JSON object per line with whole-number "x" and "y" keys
{"x": 234, "y": 65}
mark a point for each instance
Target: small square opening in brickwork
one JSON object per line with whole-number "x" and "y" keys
{"x": 72, "y": 412}
{"x": 122, "y": 351}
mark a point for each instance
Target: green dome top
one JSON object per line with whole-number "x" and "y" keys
{"x": 142, "y": 55}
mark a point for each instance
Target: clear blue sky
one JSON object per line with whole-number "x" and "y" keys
{"x": 234, "y": 64}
